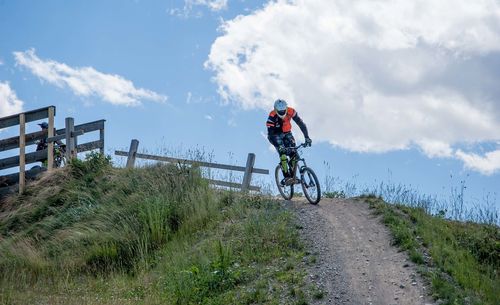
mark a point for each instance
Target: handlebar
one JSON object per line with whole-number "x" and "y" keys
{"x": 298, "y": 147}
{"x": 292, "y": 149}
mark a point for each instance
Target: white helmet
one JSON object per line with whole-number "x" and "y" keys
{"x": 280, "y": 107}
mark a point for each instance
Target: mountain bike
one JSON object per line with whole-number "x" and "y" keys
{"x": 308, "y": 179}
{"x": 59, "y": 155}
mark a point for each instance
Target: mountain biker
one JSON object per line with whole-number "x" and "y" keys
{"x": 279, "y": 133}
{"x": 43, "y": 143}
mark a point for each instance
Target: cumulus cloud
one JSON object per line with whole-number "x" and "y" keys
{"x": 87, "y": 81}
{"x": 487, "y": 164}
{"x": 370, "y": 76}
{"x": 9, "y": 102}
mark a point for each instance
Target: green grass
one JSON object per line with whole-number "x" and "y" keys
{"x": 461, "y": 260}
{"x": 95, "y": 234}
{"x": 334, "y": 194}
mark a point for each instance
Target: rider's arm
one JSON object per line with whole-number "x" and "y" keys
{"x": 301, "y": 125}
{"x": 272, "y": 128}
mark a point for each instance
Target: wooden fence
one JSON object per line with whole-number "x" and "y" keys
{"x": 248, "y": 170}
{"x": 69, "y": 134}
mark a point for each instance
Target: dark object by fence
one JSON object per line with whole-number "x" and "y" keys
{"x": 248, "y": 170}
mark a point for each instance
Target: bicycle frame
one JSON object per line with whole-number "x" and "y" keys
{"x": 296, "y": 159}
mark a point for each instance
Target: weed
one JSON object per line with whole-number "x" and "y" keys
{"x": 335, "y": 194}
{"x": 318, "y": 294}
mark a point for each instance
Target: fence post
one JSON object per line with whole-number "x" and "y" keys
{"x": 132, "y": 153}
{"x": 22, "y": 152}
{"x": 247, "y": 177}
{"x": 50, "y": 148}
{"x": 70, "y": 140}
{"x": 101, "y": 137}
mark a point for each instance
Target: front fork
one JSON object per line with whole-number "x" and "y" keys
{"x": 295, "y": 166}
{"x": 291, "y": 165}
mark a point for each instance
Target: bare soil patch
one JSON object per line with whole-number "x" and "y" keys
{"x": 355, "y": 262}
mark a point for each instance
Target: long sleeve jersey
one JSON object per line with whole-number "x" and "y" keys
{"x": 276, "y": 125}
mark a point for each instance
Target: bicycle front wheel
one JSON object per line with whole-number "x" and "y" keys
{"x": 286, "y": 191}
{"x": 310, "y": 185}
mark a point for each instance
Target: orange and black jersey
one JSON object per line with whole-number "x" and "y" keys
{"x": 276, "y": 125}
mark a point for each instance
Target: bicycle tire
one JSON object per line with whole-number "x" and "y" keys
{"x": 278, "y": 174}
{"x": 63, "y": 162}
{"x": 308, "y": 179}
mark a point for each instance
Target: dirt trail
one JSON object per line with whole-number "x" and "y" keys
{"x": 356, "y": 263}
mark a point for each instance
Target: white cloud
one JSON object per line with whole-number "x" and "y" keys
{"x": 214, "y": 5}
{"x": 208, "y": 117}
{"x": 370, "y": 76}
{"x": 193, "y": 98}
{"x": 487, "y": 164}
{"x": 189, "y": 5}
{"x": 1, "y": 62}
{"x": 436, "y": 149}
{"x": 86, "y": 81}
{"x": 9, "y": 102}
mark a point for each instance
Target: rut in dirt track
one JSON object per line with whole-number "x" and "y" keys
{"x": 356, "y": 263}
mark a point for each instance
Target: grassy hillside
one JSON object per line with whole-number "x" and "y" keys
{"x": 460, "y": 260}
{"x": 94, "y": 234}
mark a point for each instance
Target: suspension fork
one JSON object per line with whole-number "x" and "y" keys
{"x": 303, "y": 161}
{"x": 295, "y": 165}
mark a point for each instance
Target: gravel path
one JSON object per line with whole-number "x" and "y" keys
{"x": 355, "y": 262}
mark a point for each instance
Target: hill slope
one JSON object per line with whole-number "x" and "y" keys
{"x": 94, "y": 234}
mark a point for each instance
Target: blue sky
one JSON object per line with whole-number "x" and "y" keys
{"x": 389, "y": 91}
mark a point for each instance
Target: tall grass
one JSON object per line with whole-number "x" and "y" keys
{"x": 92, "y": 233}
{"x": 96, "y": 218}
{"x": 455, "y": 206}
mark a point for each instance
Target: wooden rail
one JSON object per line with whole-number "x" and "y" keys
{"x": 21, "y": 119}
{"x": 30, "y": 116}
{"x": 70, "y": 134}
{"x": 248, "y": 170}
{"x": 32, "y": 138}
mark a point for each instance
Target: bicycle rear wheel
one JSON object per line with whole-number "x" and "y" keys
{"x": 310, "y": 185}
{"x": 286, "y": 191}
{"x": 60, "y": 161}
